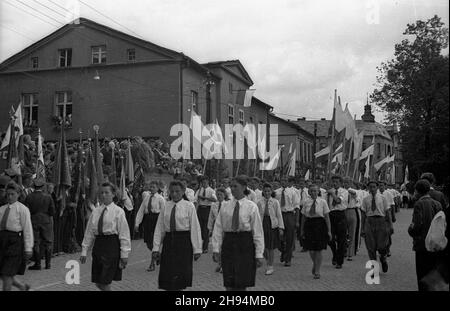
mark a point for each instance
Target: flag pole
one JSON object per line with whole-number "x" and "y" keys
{"x": 330, "y": 154}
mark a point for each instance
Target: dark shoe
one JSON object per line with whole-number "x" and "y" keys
{"x": 334, "y": 262}
{"x": 316, "y": 276}
{"x": 151, "y": 267}
{"x": 349, "y": 258}
{"x": 205, "y": 251}
{"x": 281, "y": 258}
{"x": 48, "y": 266}
{"x": 384, "y": 266}
{"x": 35, "y": 267}
{"x": 287, "y": 264}
{"x": 338, "y": 266}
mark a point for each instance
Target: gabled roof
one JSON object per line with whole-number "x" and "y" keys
{"x": 84, "y": 22}
{"x": 293, "y": 125}
{"x": 370, "y": 128}
{"x": 228, "y": 65}
{"x": 256, "y": 101}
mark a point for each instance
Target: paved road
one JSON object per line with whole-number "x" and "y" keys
{"x": 401, "y": 275}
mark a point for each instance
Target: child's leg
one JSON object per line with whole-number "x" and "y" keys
{"x": 318, "y": 261}
{"x": 270, "y": 255}
{"x": 7, "y": 283}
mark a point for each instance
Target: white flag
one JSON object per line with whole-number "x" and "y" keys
{"x": 307, "y": 175}
{"x": 18, "y": 123}
{"x": 322, "y": 152}
{"x": 248, "y": 97}
{"x": 291, "y": 170}
{"x": 386, "y": 160}
{"x": 273, "y": 163}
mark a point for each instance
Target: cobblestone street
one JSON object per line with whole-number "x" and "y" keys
{"x": 401, "y": 274}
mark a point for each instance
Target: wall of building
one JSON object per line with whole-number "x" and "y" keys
{"x": 128, "y": 100}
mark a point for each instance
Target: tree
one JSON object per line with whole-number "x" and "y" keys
{"x": 413, "y": 89}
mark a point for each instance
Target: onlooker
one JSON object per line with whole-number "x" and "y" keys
{"x": 425, "y": 208}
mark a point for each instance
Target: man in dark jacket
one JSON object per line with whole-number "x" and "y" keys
{"x": 42, "y": 210}
{"x": 425, "y": 208}
{"x": 435, "y": 194}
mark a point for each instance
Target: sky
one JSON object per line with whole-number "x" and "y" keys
{"x": 297, "y": 52}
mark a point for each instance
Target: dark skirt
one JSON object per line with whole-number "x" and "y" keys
{"x": 149, "y": 224}
{"x": 105, "y": 259}
{"x": 12, "y": 259}
{"x": 175, "y": 271}
{"x": 270, "y": 235}
{"x": 238, "y": 260}
{"x": 316, "y": 234}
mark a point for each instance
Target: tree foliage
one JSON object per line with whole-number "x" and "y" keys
{"x": 413, "y": 89}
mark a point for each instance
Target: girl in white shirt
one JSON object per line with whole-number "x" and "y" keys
{"x": 148, "y": 213}
{"x": 238, "y": 238}
{"x": 273, "y": 225}
{"x": 108, "y": 230}
{"x": 315, "y": 227}
{"x": 178, "y": 233}
{"x": 222, "y": 197}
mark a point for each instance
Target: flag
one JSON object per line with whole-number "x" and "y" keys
{"x": 307, "y": 175}
{"x": 358, "y": 141}
{"x": 273, "y": 163}
{"x": 248, "y": 97}
{"x": 291, "y": 167}
{"x": 129, "y": 164}
{"x": 113, "y": 163}
{"x": 40, "y": 167}
{"x": 123, "y": 195}
{"x": 325, "y": 151}
{"x": 406, "y": 180}
{"x": 62, "y": 176}
{"x": 336, "y": 163}
{"x": 383, "y": 162}
{"x": 350, "y": 127}
{"x": 97, "y": 156}
{"x": 91, "y": 173}
{"x": 13, "y": 158}
{"x": 18, "y": 125}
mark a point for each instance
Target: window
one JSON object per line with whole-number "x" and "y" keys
{"x": 99, "y": 54}
{"x": 194, "y": 101}
{"x": 230, "y": 87}
{"x": 64, "y": 106}
{"x": 30, "y": 109}
{"x": 34, "y": 62}
{"x": 230, "y": 114}
{"x": 379, "y": 150}
{"x": 131, "y": 55}
{"x": 65, "y": 57}
{"x": 241, "y": 117}
{"x": 364, "y": 147}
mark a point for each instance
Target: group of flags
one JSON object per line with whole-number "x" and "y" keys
{"x": 90, "y": 170}
{"x": 345, "y": 155}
